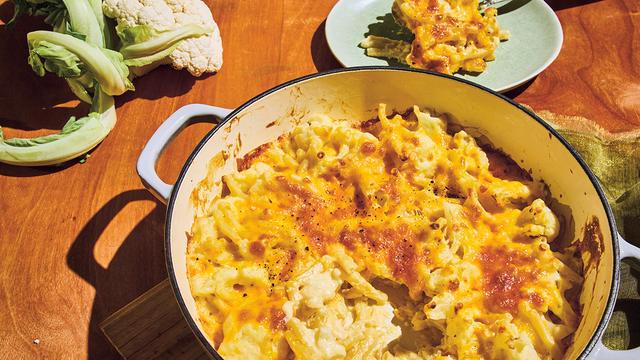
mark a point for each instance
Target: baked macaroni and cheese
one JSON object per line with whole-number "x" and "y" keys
{"x": 450, "y": 35}
{"x": 397, "y": 239}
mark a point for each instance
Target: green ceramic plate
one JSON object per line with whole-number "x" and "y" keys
{"x": 536, "y": 38}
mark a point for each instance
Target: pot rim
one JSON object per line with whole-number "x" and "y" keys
{"x": 594, "y": 181}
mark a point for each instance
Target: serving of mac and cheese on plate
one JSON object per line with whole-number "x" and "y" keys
{"x": 452, "y": 37}
{"x": 449, "y": 36}
{"x": 400, "y": 238}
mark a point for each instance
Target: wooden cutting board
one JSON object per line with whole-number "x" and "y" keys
{"x": 152, "y": 327}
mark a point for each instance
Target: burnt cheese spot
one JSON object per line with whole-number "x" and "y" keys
{"x": 245, "y": 162}
{"x": 592, "y": 241}
{"x": 277, "y": 319}
{"x": 505, "y": 274}
{"x": 287, "y": 268}
{"x": 440, "y": 31}
{"x": 368, "y": 148}
{"x": 256, "y": 248}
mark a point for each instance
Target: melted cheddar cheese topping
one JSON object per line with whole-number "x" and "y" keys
{"x": 399, "y": 239}
{"x": 449, "y": 36}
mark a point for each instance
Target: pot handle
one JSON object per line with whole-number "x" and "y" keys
{"x": 600, "y": 351}
{"x": 628, "y": 250}
{"x": 183, "y": 117}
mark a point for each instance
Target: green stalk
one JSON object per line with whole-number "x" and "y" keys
{"x": 112, "y": 80}
{"x": 96, "y": 6}
{"x": 79, "y": 87}
{"x": 84, "y": 20}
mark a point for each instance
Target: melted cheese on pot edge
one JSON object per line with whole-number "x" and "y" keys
{"x": 393, "y": 240}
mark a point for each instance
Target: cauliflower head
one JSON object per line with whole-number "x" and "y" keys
{"x": 196, "y": 54}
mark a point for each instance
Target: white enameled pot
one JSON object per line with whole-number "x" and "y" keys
{"x": 354, "y": 94}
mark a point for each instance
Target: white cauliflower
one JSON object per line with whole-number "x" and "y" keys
{"x": 198, "y": 54}
{"x": 538, "y": 220}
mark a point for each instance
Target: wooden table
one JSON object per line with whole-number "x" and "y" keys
{"x": 78, "y": 242}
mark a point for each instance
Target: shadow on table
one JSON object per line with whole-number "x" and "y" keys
{"x": 515, "y": 92}
{"x": 137, "y": 265}
{"x": 322, "y": 57}
{"x": 6, "y": 11}
{"x": 565, "y": 4}
{"x": 161, "y": 82}
{"x": 27, "y": 101}
{"x": 30, "y": 171}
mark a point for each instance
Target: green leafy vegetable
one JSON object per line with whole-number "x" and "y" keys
{"x": 82, "y": 50}
{"x": 76, "y": 52}
{"x": 54, "y": 11}
{"x": 66, "y": 16}
{"x": 57, "y": 59}
{"x": 106, "y": 66}
{"x": 76, "y": 138}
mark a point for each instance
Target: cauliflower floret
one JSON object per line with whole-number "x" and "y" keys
{"x": 538, "y": 220}
{"x": 199, "y": 54}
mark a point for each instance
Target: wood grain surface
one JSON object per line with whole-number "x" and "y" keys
{"x": 152, "y": 327}
{"x": 80, "y": 241}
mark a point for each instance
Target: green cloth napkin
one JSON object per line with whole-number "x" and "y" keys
{"x": 615, "y": 160}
